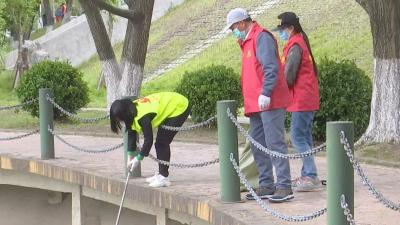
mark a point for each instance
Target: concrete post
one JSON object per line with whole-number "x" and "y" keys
{"x": 76, "y": 206}
{"x": 46, "y": 121}
{"x": 162, "y": 216}
{"x": 340, "y": 171}
{"x": 228, "y": 143}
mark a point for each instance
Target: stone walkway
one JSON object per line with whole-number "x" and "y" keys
{"x": 203, "y": 183}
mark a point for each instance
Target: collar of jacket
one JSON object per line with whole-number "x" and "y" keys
{"x": 250, "y": 35}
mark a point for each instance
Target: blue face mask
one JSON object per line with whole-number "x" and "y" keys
{"x": 239, "y": 34}
{"x": 283, "y": 35}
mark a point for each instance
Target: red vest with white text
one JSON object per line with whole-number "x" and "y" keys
{"x": 252, "y": 79}
{"x": 304, "y": 91}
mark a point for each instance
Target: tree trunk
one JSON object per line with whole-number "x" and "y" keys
{"x": 135, "y": 49}
{"x": 384, "y": 125}
{"x": 104, "y": 48}
{"x": 67, "y": 15}
{"x": 48, "y": 12}
{"x": 22, "y": 63}
{"x": 110, "y": 27}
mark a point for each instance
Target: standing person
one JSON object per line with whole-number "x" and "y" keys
{"x": 266, "y": 96}
{"x": 301, "y": 75}
{"x": 58, "y": 14}
{"x": 144, "y": 114}
{"x": 63, "y": 10}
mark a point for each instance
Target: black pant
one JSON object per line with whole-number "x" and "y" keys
{"x": 164, "y": 139}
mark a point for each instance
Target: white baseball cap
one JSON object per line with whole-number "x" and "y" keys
{"x": 234, "y": 16}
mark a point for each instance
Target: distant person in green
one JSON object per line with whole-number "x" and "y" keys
{"x": 144, "y": 114}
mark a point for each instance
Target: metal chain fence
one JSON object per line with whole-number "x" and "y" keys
{"x": 296, "y": 218}
{"x": 72, "y": 115}
{"x": 19, "y": 136}
{"x": 346, "y": 210}
{"x": 365, "y": 180}
{"x": 179, "y": 165}
{"x": 183, "y": 165}
{"x": 270, "y": 152}
{"x": 191, "y": 127}
{"x": 83, "y": 149}
{"x": 18, "y": 106}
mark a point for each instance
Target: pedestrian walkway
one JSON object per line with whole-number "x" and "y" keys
{"x": 202, "y": 184}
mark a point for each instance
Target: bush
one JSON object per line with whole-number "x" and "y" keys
{"x": 70, "y": 91}
{"x": 345, "y": 94}
{"x": 206, "y": 86}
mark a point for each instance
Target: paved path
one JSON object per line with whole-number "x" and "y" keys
{"x": 203, "y": 183}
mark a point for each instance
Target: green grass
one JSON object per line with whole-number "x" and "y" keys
{"x": 7, "y": 95}
{"x": 337, "y": 29}
{"x": 38, "y": 33}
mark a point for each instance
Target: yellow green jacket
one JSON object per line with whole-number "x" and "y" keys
{"x": 163, "y": 104}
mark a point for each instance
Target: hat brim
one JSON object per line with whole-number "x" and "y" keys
{"x": 227, "y": 28}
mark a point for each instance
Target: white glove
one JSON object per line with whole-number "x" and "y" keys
{"x": 263, "y": 102}
{"x": 132, "y": 164}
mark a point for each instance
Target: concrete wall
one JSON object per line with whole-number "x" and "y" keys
{"x": 44, "y": 201}
{"x": 73, "y": 41}
{"x": 21, "y": 204}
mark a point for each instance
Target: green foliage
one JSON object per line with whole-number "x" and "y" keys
{"x": 206, "y": 86}
{"x": 19, "y": 15}
{"x": 70, "y": 91}
{"x": 345, "y": 94}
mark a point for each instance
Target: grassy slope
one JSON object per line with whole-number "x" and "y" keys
{"x": 336, "y": 28}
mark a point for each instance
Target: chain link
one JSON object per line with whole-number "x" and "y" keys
{"x": 346, "y": 210}
{"x": 270, "y": 152}
{"x": 18, "y": 106}
{"x": 296, "y": 218}
{"x": 81, "y": 119}
{"x": 83, "y": 149}
{"x": 191, "y": 127}
{"x": 182, "y": 165}
{"x": 179, "y": 165}
{"x": 365, "y": 180}
{"x": 19, "y": 136}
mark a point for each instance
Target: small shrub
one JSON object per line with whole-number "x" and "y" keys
{"x": 206, "y": 86}
{"x": 345, "y": 95}
{"x": 70, "y": 91}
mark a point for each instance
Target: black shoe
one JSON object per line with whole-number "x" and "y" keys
{"x": 281, "y": 195}
{"x": 262, "y": 192}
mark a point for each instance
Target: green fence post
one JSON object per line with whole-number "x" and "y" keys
{"x": 340, "y": 171}
{"x": 137, "y": 172}
{"x": 46, "y": 121}
{"x": 228, "y": 143}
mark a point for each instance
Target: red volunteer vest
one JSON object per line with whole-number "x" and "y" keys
{"x": 304, "y": 91}
{"x": 252, "y": 79}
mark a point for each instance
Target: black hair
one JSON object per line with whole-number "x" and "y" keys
{"x": 294, "y": 21}
{"x": 299, "y": 29}
{"x": 122, "y": 110}
{"x": 249, "y": 19}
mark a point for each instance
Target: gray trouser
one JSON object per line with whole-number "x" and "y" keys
{"x": 268, "y": 129}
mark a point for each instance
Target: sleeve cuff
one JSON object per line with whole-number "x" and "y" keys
{"x": 130, "y": 153}
{"x": 139, "y": 157}
{"x": 268, "y": 94}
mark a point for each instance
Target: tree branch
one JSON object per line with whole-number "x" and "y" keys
{"x": 131, "y": 15}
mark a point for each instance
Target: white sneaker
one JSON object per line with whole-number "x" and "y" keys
{"x": 160, "y": 181}
{"x": 152, "y": 178}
